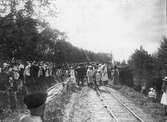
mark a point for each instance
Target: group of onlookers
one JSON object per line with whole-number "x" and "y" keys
{"x": 20, "y": 77}
{"x": 90, "y": 74}
{"x": 95, "y": 74}
{"x": 12, "y": 79}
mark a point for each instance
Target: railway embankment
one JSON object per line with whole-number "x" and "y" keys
{"x": 155, "y": 109}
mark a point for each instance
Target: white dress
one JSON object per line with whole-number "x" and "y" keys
{"x": 164, "y": 98}
{"x": 90, "y": 74}
{"x": 104, "y": 74}
{"x": 72, "y": 75}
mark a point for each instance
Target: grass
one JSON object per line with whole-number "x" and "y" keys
{"x": 148, "y": 106}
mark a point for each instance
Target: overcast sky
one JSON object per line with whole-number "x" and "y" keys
{"x": 117, "y": 26}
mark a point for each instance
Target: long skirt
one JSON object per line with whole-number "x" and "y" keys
{"x": 164, "y": 99}
{"x": 90, "y": 79}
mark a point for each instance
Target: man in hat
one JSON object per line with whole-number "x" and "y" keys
{"x": 36, "y": 104}
{"x": 80, "y": 73}
{"x": 164, "y": 95}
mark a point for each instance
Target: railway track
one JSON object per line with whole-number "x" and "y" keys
{"x": 55, "y": 90}
{"x": 119, "y": 111}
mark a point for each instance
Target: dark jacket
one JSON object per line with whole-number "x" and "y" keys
{"x": 164, "y": 86}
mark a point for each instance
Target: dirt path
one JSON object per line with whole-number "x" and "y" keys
{"x": 85, "y": 106}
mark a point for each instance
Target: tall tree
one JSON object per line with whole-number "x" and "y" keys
{"x": 18, "y": 37}
{"x": 142, "y": 65}
{"x": 162, "y": 57}
{"x": 32, "y": 7}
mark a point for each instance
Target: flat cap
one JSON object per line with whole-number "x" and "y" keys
{"x": 35, "y": 100}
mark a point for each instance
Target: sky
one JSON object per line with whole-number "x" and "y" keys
{"x": 112, "y": 26}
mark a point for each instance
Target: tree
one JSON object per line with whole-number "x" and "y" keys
{"x": 33, "y": 8}
{"x": 141, "y": 64}
{"x": 19, "y": 33}
{"x": 23, "y": 36}
{"x": 162, "y": 57}
{"x": 18, "y": 37}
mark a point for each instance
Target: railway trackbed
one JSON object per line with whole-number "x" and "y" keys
{"x": 118, "y": 110}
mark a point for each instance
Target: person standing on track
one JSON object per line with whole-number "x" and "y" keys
{"x": 72, "y": 75}
{"x": 104, "y": 77}
{"x": 97, "y": 79}
{"x": 80, "y": 74}
{"x": 115, "y": 76}
{"x": 90, "y": 75}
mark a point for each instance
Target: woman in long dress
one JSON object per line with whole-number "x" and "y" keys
{"x": 164, "y": 95}
{"x": 90, "y": 74}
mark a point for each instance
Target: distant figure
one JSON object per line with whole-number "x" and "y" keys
{"x": 90, "y": 75}
{"x": 72, "y": 75}
{"x": 104, "y": 73}
{"x": 12, "y": 90}
{"x": 152, "y": 94}
{"x": 115, "y": 75}
{"x": 36, "y": 104}
{"x": 143, "y": 89}
{"x": 164, "y": 95}
{"x": 27, "y": 77}
{"x": 80, "y": 75}
{"x": 98, "y": 79}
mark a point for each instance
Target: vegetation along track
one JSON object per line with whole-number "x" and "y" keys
{"x": 119, "y": 111}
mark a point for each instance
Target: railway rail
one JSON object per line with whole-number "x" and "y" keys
{"x": 116, "y": 109}
{"x": 55, "y": 90}
{"x": 53, "y": 93}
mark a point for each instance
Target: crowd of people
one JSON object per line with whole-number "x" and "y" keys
{"x": 80, "y": 74}
{"x": 20, "y": 78}
{"x": 17, "y": 79}
{"x": 95, "y": 75}
{"x": 92, "y": 75}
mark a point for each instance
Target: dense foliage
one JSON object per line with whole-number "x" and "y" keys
{"x": 24, "y": 36}
{"x": 149, "y": 69}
